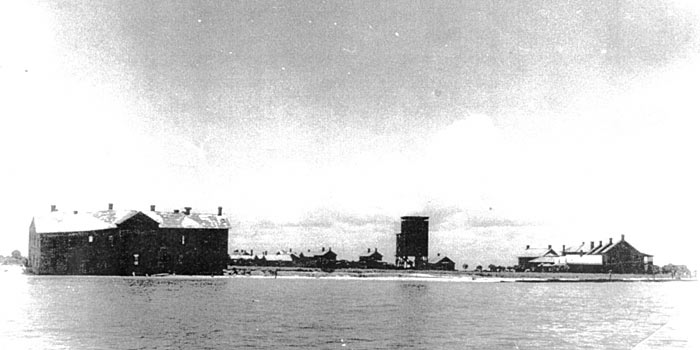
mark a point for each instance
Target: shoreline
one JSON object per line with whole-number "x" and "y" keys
{"x": 456, "y": 276}
{"x": 267, "y": 272}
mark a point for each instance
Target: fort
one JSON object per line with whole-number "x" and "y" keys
{"x": 128, "y": 242}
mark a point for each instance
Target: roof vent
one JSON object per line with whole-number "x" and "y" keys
{"x": 75, "y": 212}
{"x": 153, "y": 207}
{"x": 53, "y": 208}
{"x": 176, "y": 211}
{"x": 110, "y": 206}
{"x": 187, "y": 210}
{"x": 220, "y": 211}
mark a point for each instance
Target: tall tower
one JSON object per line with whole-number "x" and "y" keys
{"x": 412, "y": 242}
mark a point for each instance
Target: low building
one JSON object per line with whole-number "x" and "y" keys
{"x": 533, "y": 258}
{"x": 279, "y": 258}
{"x": 127, "y": 242}
{"x": 242, "y": 257}
{"x": 616, "y": 257}
{"x": 372, "y": 260}
{"x": 441, "y": 263}
{"x": 316, "y": 258}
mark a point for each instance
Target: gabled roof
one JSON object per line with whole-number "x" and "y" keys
{"x": 576, "y": 249}
{"x": 610, "y": 247}
{"x": 439, "y": 259}
{"x": 537, "y": 252}
{"x": 57, "y": 222}
{"x": 599, "y": 249}
{"x": 375, "y": 252}
{"x": 279, "y": 256}
{"x": 317, "y": 253}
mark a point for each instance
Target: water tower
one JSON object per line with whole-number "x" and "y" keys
{"x": 412, "y": 242}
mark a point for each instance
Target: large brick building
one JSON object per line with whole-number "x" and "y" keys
{"x": 127, "y": 242}
{"x": 616, "y": 257}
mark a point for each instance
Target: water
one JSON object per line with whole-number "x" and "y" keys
{"x": 80, "y": 312}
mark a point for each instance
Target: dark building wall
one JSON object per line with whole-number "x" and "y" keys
{"x": 623, "y": 258}
{"x": 413, "y": 239}
{"x": 112, "y": 251}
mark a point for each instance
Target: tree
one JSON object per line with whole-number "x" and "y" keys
{"x": 16, "y": 255}
{"x": 479, "y": 268}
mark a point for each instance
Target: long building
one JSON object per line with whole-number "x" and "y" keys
{"x": 616, "y": 257}
{"x": 128, "y": 242}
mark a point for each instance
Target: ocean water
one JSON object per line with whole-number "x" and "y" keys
{"x": 83, "y": 312}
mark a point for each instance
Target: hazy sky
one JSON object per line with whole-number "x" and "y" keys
{"x": 320, "y": 123}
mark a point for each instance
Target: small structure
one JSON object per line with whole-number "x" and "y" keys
{"x": 532, "y": 258}
{"x": 279, "y": 258}
{"x": 315, "y": 258}
{"x": 441, "y": 263}
{"x": 242, "y": 257}
{"x": 372, "y": 259}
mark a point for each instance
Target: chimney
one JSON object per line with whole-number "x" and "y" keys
{"x": 549, "y": 246}
{"x": 527, "y": 246}
{"x": 221, "y": 210}
{"x": 323, "y": 249}
{"x": 75, "y": 212}
{"x": 375, "y": 249}
{"x": 53, "y": 208}
{"x": 290, "y": 250}
{"x": 110, "y": 206}
{"x": 600, "y": 243}
{"x": 622, "y": 238}
{"x": 592, "y": 245}
{"x": 610, "y": 240}
{"x": 563, "y": 249}
{"x": 153, "y": 207}
{"x": 187, "y": 210}
{"x": 438, "y": 254}
{"x": 176, "y": 211}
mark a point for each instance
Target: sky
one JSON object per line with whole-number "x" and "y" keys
{"x": 321, "y": 123}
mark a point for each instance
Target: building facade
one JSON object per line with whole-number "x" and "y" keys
{"x": 128, "y": 242}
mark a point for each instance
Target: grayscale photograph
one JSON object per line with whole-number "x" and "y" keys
{"x": 336, "y": 174}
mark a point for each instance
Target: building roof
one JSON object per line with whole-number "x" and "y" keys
{"x": 609, "y": 247}
{"x": 532, "y": 252}
{"x": 317, "y": 253}
{"x": 279, "y": 256}
{"x": 371, "y": 253}
{"x": 576, "y": 249}
{"x": 439, "y": 259}
{"x": 56, "y": 222}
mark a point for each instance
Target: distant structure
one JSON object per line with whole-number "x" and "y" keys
{"x": 616, "y": 257}
{"x": 441, "y": 263}
{"x": 315, "y": 258}
{"x": 128, "y": 242}
{"x": 372, "y": 260}
{"x": 412, "y": 242}
{"x": 532, "y": 257}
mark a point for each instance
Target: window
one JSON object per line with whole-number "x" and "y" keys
{"x": 111, "y": 240}
{"x": 183, "y": 239}
{"x": 90, "y": 239}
